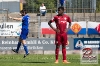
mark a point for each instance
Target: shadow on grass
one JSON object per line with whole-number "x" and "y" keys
{"x": 34, "y": 62}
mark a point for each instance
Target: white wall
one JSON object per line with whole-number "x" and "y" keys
{"x": 9, "y": 0}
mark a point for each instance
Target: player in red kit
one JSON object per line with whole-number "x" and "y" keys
{"x": 61, "y": 29}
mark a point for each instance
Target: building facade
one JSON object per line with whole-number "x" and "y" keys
{"x": 10, "y": 5}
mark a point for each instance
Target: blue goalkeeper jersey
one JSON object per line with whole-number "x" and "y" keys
{"x": 25, "y": 22}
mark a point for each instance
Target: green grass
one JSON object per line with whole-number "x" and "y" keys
{"x": 40, "y": 60}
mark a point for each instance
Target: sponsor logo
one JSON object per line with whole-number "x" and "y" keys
{"x": 76, "y": 28}
{"x": 79, "y": 44}
{"x": 89, "y": 56}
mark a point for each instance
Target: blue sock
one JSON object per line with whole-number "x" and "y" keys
{"x": 18, "y": 46}
{"x": 25, "y": 48}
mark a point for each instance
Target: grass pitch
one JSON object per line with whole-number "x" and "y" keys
{"x": 41, "y": 60}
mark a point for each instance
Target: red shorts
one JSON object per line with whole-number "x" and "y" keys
{"x": 61, "y": 39}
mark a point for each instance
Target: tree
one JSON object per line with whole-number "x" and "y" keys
{"x": 29, "y": 5}
{"x": 98, "y": 6}
{"x": 33, "y": 5}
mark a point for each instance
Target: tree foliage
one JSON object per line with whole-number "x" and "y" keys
{"x": 98, "y": 6}
{"x": 33, "y": 5}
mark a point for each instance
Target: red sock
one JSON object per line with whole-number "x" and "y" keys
{"x": 64, "y": 53}
{"x": 56, "y": 53}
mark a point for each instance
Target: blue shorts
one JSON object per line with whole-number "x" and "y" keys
{"x": 24, "y": 34}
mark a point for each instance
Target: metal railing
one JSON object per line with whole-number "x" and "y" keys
{"x": 4, "y": 15}
{"x": 35, "y": 25}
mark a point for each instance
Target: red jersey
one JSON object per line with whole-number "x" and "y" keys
{"x": 61, "y": 22}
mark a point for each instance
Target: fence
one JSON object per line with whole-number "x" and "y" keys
{"x": 3, "y": 15}
{"x": 35, "y": 20}
{"x": 86, "y": 14}
{"x": 72, "y": 12}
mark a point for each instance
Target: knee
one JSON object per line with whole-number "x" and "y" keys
{"x": 23, "y": 42}
{"x": 57, "y": 46}
{"x": 64, "y": 46}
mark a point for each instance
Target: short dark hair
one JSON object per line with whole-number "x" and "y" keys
{"x": 23, "y": 11}
{"x": 62, "y": 8}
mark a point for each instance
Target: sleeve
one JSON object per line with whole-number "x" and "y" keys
{"x": 44, "y": 7}
{"x": 40, "y": 7}
{"x": 69, "y": 20}
{"x": 52, "y": 20}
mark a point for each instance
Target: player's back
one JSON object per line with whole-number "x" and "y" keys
{"x": 25, "y": 22}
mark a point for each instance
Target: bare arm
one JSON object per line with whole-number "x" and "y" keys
{"x": 49, "y": 23}
{"x": 69, "y": 26}
{"x": 19, "y": 19}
